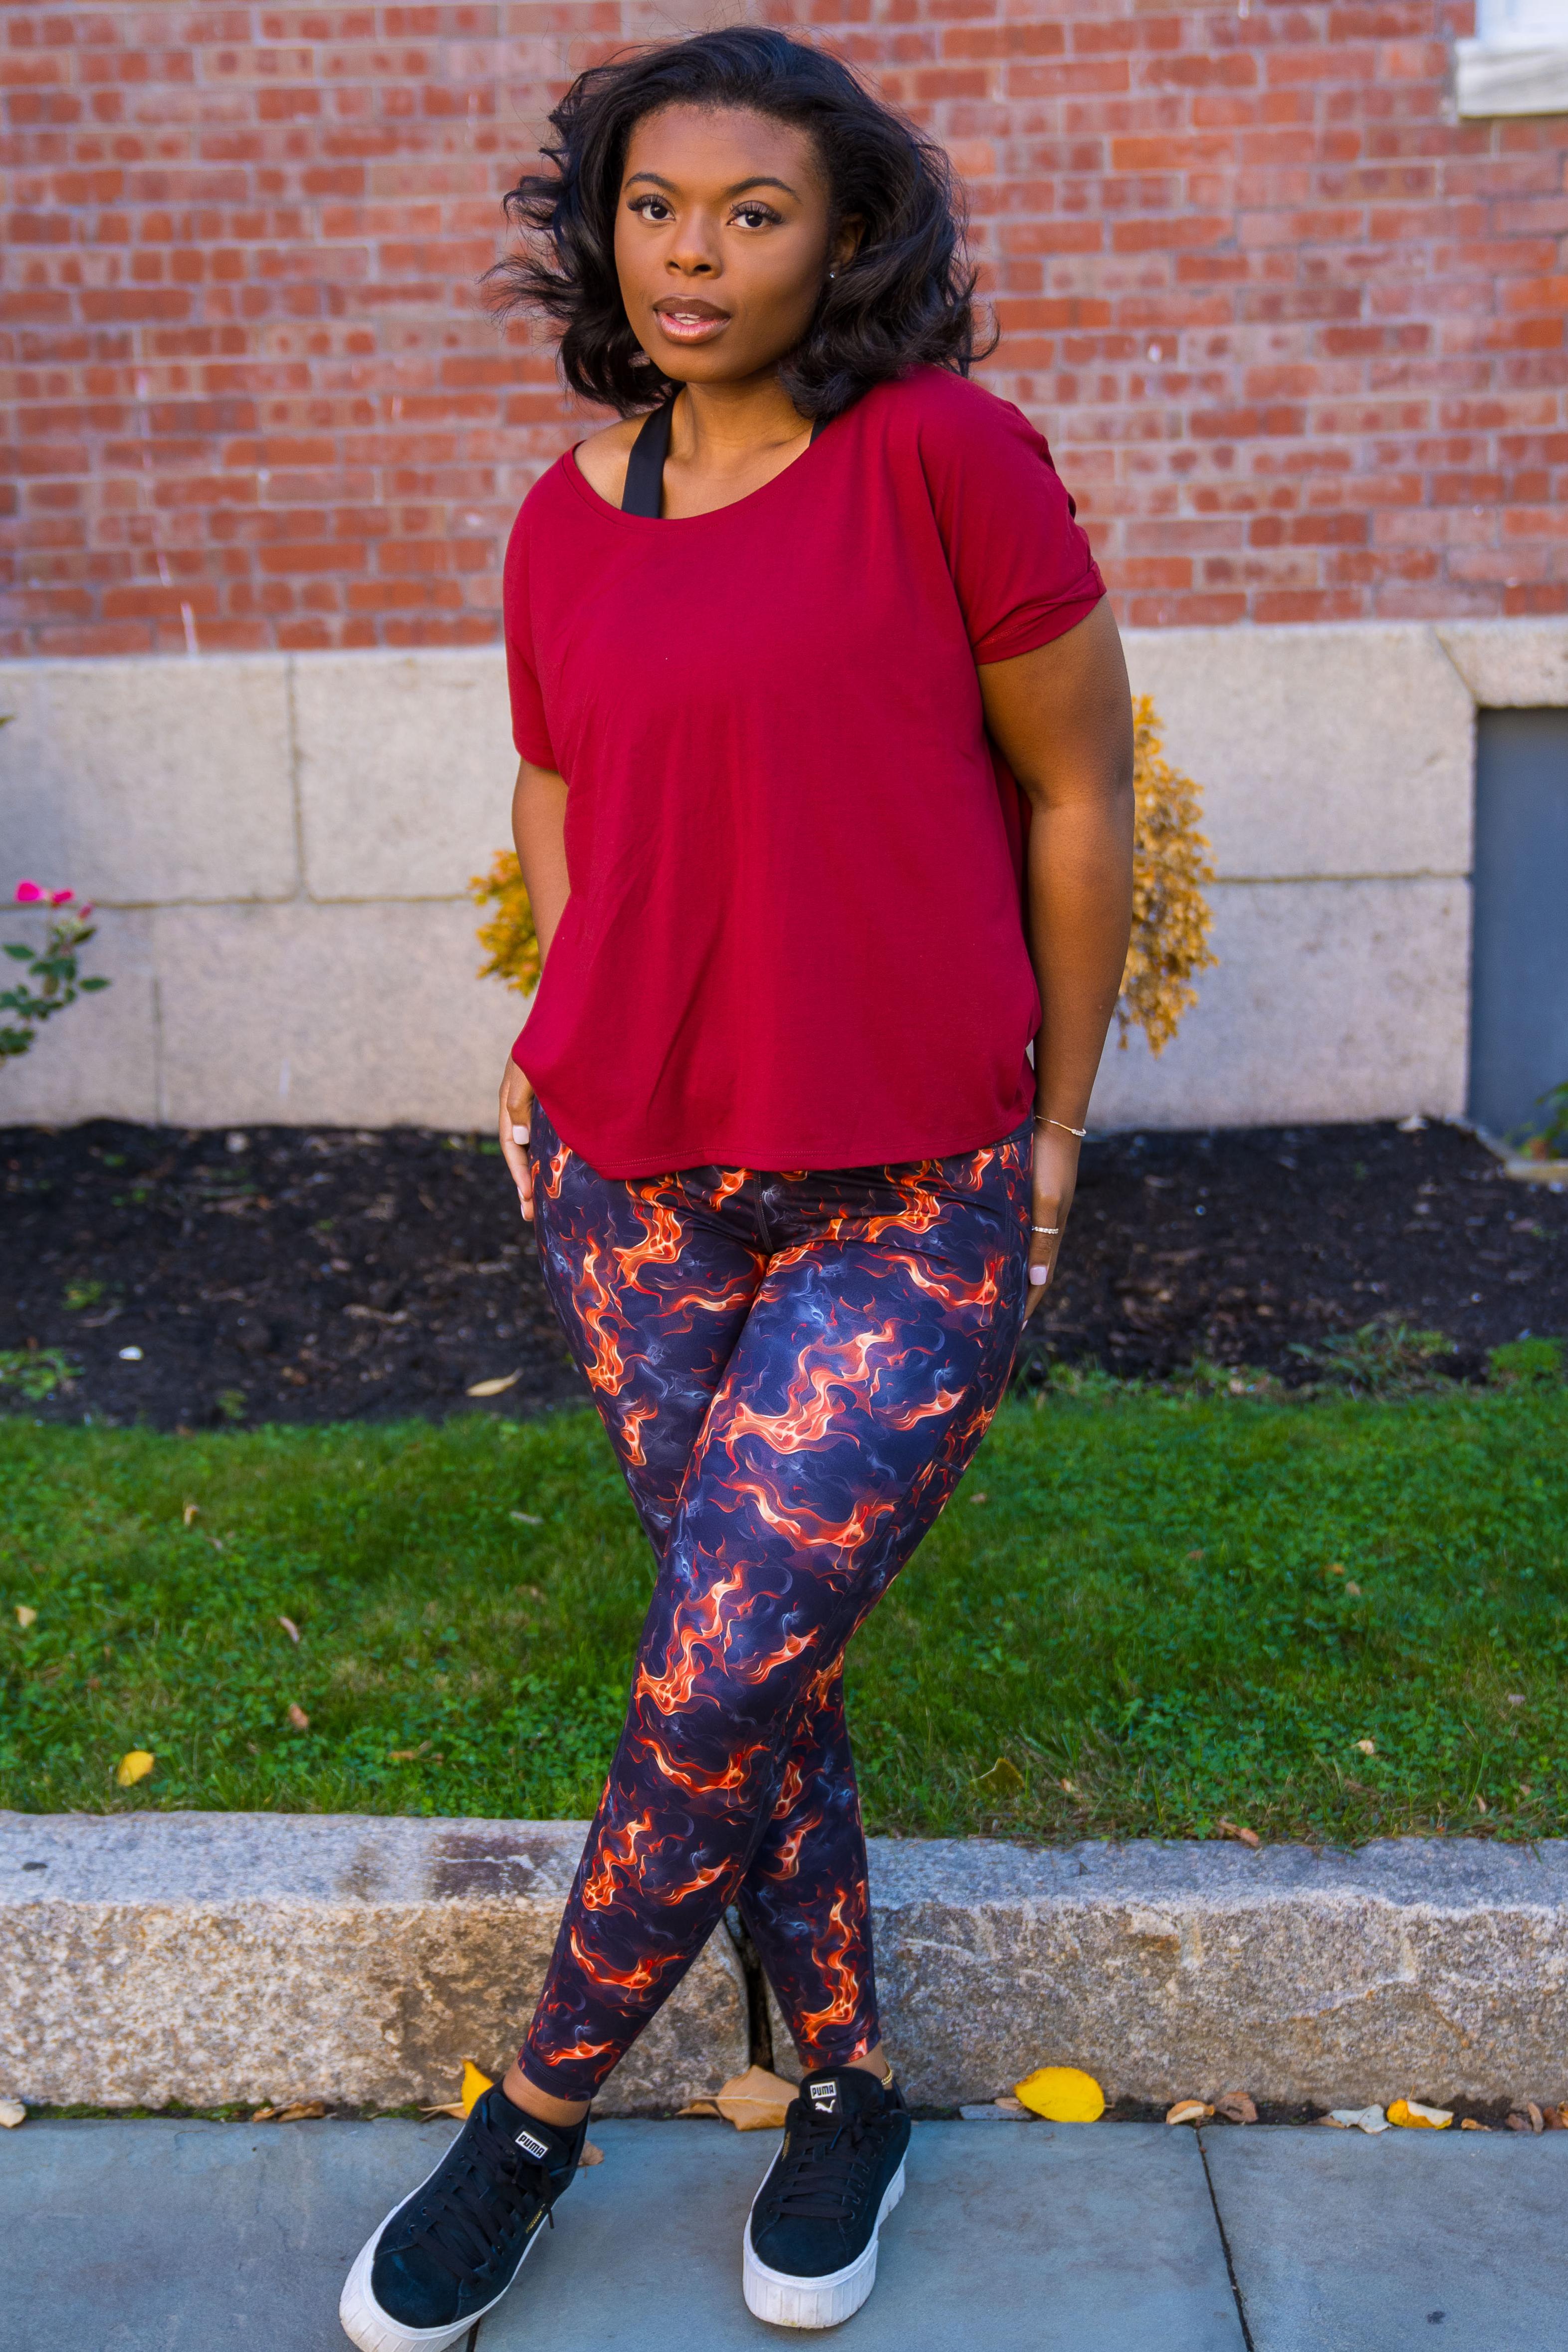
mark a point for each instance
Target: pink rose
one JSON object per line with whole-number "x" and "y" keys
{"x": 62, "y": 898}
{"x": 28, "y": 894}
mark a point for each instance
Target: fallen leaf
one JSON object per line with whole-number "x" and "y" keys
{"x": 1007, "y": 2105}
{"x": 754, "y": 2101}
{"x": 1414, "y": 2117}
{"x": 590, "y": 2155}
{"x": 1071, "y": 1787}
{"x": 11, "y": 2112}
{"x": 1062, "y": 2095}
{"x": 1481, "y": 1805}
{"x": 134, "y": 1766}
{"x": 1351, "y": 1586}
{"x": 1516, "y": 1698}
{"x": 1333, "y": 1568}
{"x": 1189, "y": 2111}
{"x": 189, "y": 1514}
{"x": 290, "y": 1628}
{"x": 475, "y": 2086}
{"x": 1468, "y": 2123}
{"x": 299, "y": 2112}
{"x": 297, "y": 1717}
{"x": 407, "y": 1755}
{"x": 525, "y": 1518}
{"x": 494, "y": 1388}
{"x": 1366, "y": 2119}
{"x": 265, "y": 2115}
{"x": 1229, "y": 1829}
{"x": 699, "y": 2107}
{"x": 1527, "y": 2117}
{"x": 1368, "y": 1746}
{"x": 1556, "y": 2118}
{"x": 1003, "y": 1780}
{"x": 1236, "y": 2108}
{"x": 981, "y": 1497}
{"x": 25, "y": 1616}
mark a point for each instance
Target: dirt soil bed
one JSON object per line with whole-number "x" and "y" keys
{"x": 286, "y": 1274}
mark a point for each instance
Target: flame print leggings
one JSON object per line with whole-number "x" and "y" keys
{"x": 794, "y": 1371}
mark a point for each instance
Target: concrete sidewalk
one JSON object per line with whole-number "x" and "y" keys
{"x": 173, "y": 2237}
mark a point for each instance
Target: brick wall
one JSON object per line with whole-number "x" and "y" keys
{"x": 1297, "y": 338}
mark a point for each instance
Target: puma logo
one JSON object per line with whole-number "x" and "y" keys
{"x": 824, "y": 2097}
{"x": 532, "y": 2147}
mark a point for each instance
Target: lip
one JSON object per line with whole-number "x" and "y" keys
{"x": 692, "y": 322}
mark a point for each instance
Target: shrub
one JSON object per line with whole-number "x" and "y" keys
{"x": 1547, "y": 1137}
{"x": 51, "y": 981}
{"x": 1526, "y": 1363}
{"x": 1171, "y": 917}
{"x": 508, "y": 938}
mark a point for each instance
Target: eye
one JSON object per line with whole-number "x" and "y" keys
{"x": 755, "y": 216}
{"x": 652, "y": 208}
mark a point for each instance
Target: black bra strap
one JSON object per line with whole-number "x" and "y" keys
{"x": 644, "y": 490}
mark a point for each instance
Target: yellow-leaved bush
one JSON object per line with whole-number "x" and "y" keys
{"x": 508, "y": 938}
{"x": 1171, "y": 917}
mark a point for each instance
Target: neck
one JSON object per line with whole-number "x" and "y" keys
{"x": 721, "y": 426}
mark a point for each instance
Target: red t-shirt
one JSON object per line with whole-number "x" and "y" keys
{"x": 795, "y": 934}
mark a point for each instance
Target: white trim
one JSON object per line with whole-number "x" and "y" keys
{"x": 1494, "y": 78}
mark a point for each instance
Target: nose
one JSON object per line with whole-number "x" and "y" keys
{"x": 693, "y": 251}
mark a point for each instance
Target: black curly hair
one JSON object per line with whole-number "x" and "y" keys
{"x": 904, "y": 298}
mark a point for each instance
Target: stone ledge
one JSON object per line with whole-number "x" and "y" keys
{"x": 209, "y": 1956}
{"x": 1303, "y": 1975}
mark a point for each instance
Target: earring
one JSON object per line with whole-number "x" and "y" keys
{"x": 832, "y": 275}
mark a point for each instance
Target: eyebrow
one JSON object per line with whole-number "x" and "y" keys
{"x": 762, "y": 180}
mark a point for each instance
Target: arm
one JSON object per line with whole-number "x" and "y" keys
{"x": 539, "y": 832}
{"x": 1062, "y": 718}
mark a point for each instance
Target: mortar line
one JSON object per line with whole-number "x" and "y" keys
{"x": 1225, "y": 2246}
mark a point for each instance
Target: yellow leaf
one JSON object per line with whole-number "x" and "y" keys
{"x": 25, "y": 1616}
{"x": 134, "y": 1767}
{"x": 754, "y": 2101}
{"x": 494, "y": 1388}
{"x": 1414, "y": 2117}
{"x": 474, "y": 2086}
{"x": 1004, "y": 1779}
{"x": 1062, "y": 2095}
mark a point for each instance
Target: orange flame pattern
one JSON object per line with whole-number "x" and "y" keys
{"x": 794, "y": 1371}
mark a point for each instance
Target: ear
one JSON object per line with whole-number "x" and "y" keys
{"x": 846, "y": 241}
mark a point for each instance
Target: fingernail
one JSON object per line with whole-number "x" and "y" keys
{"x": 1037, "y": 1276}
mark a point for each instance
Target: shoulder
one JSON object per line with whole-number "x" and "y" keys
{"x": 602, "y": 459}
{"x": 946, "y": 414}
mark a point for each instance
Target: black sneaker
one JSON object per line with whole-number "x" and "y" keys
{"x": 448, "y": 2253}
{"x": 810, "y": 2237}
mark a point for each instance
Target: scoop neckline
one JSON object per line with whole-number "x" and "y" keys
{"x": 601, "y": 505}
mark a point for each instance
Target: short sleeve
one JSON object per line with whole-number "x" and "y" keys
{"x": 1019, "y": 560}
{"x": 530, "y": 730}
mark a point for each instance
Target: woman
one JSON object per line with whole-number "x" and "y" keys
{"x": 794, "y": 651}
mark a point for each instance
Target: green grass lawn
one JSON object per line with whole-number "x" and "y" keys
{"x": 1130, "y": 1601}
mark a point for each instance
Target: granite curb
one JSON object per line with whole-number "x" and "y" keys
{"x": 205, "y": 1958}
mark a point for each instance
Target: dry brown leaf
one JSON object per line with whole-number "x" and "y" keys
{"x": 590, "y": 2155}
{"x": 188, "y": 1515}
{"x": 1189, "y": 2111}
{"x": 1468, "y": 2123}
{"x": 1236, "y": 2108}
{"x": 1368, "y": 1746}
{"x": 1351, "y": 1586}
{"x": 454, "y": 2109}
{"x": 1526, "y": 2118}
{"x": 494, "y": 1388}
{"x": 297, "y": 1717}
{"x": 699, "y": 2107}
{"x": 1556, "y": 2118}
{"x": 754, "y": 2101}
{"x": 25, "y": 1616}
{"x": 299, "y": 2111}
{"x": 1243, "y": 1836}
{"x": 290, "y": 1628}
{"x": 408, "y": 1755}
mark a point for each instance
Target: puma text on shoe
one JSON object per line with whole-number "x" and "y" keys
{"x": 811, "y": 2235}
{"x": 448, "y": 2253}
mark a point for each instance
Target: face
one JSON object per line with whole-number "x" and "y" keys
{"x": 722, "y": 241}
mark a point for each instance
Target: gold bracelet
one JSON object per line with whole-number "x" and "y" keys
{"x": 1079, "y": 1131}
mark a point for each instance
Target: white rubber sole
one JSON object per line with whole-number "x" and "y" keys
{"x": 364, "y": 2322}
{"x": 787, "y": 2302}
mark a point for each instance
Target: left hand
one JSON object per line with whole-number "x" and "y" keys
{"x": 1055, "y": 1182}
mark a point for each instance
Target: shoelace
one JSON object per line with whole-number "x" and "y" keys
{"x": 819, "y": 2177}
{"x": 463, "y": 2228}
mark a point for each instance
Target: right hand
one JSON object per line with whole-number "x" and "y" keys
{"x": 516, "y": 1116}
